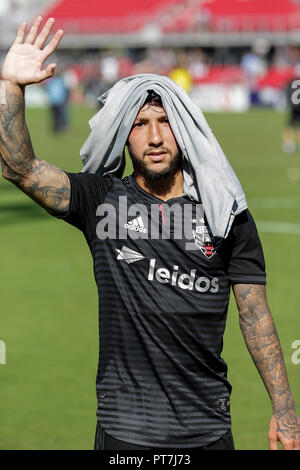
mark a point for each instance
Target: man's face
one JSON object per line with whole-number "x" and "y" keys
{"x": 152, "y": 145}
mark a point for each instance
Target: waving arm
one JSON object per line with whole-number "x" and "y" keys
{"x": 45, "y": 183}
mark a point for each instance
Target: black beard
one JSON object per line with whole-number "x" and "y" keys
{"x": 154, "y": 176}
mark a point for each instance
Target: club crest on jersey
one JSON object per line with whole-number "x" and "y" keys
{"x": 204, "y": 238}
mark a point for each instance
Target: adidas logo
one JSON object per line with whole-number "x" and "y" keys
{"x": 137, "y": 225}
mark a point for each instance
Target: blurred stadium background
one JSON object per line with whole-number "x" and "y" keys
{"x": 235, "y": 58}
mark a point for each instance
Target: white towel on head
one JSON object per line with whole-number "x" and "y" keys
{"x": 207, "y": 173}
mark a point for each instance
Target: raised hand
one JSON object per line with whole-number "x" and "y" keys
{"x": 24, "y": 61}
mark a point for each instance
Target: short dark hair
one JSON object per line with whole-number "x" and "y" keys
{"x": 153, "y": 99}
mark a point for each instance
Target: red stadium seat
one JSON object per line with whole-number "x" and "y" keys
{"x": 98, "y": 16}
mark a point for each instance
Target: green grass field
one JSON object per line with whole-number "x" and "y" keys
{"x": 49, "y": 302}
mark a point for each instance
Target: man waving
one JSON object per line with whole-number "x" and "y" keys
{"x": 163, "y": 297}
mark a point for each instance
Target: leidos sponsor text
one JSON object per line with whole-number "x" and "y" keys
{"x": 187, "y": 281}
{"x": 184, "y": 281}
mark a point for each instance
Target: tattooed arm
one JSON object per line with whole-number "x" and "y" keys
{"x": 262, "y": 341}
{"x": 44, "y": 183}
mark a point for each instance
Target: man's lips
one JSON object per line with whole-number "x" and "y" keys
{"x": 157, "y": 156}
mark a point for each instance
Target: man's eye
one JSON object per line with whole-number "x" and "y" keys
{"x": 139, "y": 124}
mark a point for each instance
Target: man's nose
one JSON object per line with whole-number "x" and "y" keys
{"x": 154, "y": 135}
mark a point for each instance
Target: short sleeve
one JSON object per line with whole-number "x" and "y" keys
{"x": 246, "y": 263}
{"x": 88, "y": 191}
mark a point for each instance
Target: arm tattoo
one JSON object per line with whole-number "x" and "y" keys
{"x": 262, "y": 341}
{"x": 44, "y": 183}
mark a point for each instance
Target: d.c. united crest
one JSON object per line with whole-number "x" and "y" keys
{"x": 204, "y": 239}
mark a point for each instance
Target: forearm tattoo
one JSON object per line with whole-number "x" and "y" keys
{"x": 43, "y": 182}
{"x": 262, "y": 341}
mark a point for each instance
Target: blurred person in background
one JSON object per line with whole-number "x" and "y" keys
{"x": 58, "y": 95}
{"x": 181, "y": 74}
{"x": 109, "y": 66}
{"x": 161, "y": 380}
{"x": 254, "y": 65}
{"x": 198, "y": 64}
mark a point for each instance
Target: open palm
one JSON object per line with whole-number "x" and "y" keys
{"x": 24, "y": 61}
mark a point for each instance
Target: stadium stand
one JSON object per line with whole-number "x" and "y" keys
{"x": 253, "y": 15}
{"x": 115, "y": 16}
{"x": 226, "y": 61}
{"x": 13, "y": 12}
{"x": 177, "y": 16}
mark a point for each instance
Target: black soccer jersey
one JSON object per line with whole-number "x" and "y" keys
{"x": 164, "y": 283}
